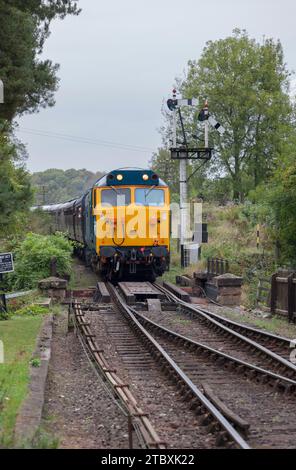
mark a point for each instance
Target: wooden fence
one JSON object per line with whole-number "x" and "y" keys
{"x": 283, "y": 294}
{"x": 263, "y": 293}
{"x": 217, "y": 266}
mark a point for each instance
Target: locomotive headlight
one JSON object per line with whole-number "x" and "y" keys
{"x": 119, "y": 177}
{"x": 145, "y": 177}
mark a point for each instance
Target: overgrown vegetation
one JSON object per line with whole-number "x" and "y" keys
{"x": 247, "y": 86}
{"x": 232, "y": 235}
{"x": 33, "y": 256}
{"x": 31, "y": 310}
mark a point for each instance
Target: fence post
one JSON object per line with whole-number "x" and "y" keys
{"x": 273, "y": 293}
{"x": 291, "y": 297}
{"x": 53, "y": 266}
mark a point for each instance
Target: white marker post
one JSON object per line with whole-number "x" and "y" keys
{"x": 1, "y": 352}
{"x": 183, "y": 206}
{"x": 1, "y": 92}
{"x": 184, "y": 192}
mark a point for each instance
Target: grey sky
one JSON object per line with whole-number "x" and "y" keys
{"x": 119, "y": 60}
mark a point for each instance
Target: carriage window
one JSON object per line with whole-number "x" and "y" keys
{"x": 150, "y": 197}
{"x": 116, "y": 197}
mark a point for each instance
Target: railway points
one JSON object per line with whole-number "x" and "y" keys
{"x": 210, "y": 371}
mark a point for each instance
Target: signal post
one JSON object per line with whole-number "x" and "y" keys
{"x": 184, "y": 153}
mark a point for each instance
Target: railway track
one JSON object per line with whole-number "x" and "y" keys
{"x": 209, "y": 415}
{"x": 276, "y": 343}
{"x": 248, "y": 409}
{"x": 194, "y": 417}
{"x": 137, "y": 418}
{"x": 249, "y": 395}
{"x": 169, "y": 415}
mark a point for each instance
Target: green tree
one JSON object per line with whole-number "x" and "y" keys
{"x": 276, "y": 203}
{"x": 53, "y": 186}
{"x": 166, "y": 168}
{"x": 246, "y": 84}
{"x": 15, "y": 188}
{"x": 30, "y": 83}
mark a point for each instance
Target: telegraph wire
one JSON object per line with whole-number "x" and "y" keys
{"x": 85, "y": 140}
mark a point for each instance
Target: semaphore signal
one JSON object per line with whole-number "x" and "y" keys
{"x": 184, "y": 152}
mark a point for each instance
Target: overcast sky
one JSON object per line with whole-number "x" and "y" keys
{"x": 118, "y": 62}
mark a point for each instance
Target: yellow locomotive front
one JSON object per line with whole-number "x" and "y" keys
{"x": 132, "y": 224}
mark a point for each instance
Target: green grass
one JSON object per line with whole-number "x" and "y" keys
{"x": 19, "y": 337}
{"x": 170, "y": 275}
{"x": 276, "y": 324}
{"x": 82, "y": 277}
{"x": 44, "y": 440}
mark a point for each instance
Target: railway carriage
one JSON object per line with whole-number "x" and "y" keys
{"x": 121, "y": 224}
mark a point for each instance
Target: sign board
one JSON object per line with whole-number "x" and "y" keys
{"x": 6, "y": 263}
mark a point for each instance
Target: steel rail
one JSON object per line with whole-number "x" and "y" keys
{"x": 161, "y": 353}
{"x": 205, "y": 316}
{"x": 141, "y": 421}
{"x": 235, "y": 324}
{"x": 281, "y": 381}
{"x": 282, "y": 340}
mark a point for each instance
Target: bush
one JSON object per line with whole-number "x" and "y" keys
{"x": 32, "y": 259}
{"x": 31, "y": 310}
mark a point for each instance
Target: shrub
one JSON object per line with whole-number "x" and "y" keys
{"x": 31, "y": 310}
{"x": 32, "y": 259}
{"x": 35, "y": 362}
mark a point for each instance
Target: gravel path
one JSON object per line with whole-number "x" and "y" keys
{"x": 78, "y": 410}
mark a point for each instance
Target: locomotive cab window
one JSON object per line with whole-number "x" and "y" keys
{"x": 116, "y": 197}
{"x": 149, "y": 197}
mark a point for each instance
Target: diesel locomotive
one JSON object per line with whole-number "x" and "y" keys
{"x": 121, "y": 225}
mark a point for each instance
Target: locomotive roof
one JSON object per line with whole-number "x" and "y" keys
{"x": 131, "y": 176}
